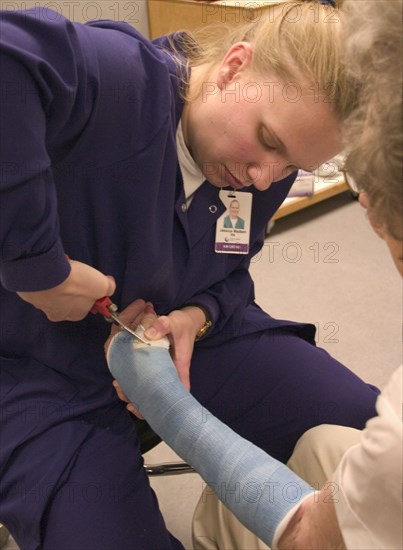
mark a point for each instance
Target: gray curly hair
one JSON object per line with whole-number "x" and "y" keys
{"x": 373, "y": 134}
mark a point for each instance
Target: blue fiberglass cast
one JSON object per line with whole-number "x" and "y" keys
{"x": 260, "y": 490}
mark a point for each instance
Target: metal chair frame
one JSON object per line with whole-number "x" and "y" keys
{"x": 149, "y": 440}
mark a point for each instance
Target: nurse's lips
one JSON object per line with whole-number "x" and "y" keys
{"x": 232, "y": 180}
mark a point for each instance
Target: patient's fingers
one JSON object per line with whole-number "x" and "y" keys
{"x": 133, "y": 410}
{"x": 121, "y": 394}
{"x": 123, "y": 397}
{"x": 149, "y": 316}
{"x": 133, "y": 313}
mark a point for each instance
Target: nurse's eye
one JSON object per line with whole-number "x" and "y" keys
{"x": 266, "y": 141}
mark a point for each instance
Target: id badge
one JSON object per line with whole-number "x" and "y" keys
{"x": 233, "y": 227}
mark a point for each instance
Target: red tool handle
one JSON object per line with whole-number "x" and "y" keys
{"x": 101, "y": 306}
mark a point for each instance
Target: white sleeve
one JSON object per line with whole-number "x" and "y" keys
{"x": 369, "y": 508}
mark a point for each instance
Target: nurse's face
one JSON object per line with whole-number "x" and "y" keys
{"x": 244, "y": 130}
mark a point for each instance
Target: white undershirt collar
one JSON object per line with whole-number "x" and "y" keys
{"x": 191, "y": 173}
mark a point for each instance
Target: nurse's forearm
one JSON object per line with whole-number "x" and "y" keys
{"x": 260, "y": 490}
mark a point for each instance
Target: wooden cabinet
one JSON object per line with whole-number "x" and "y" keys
{"x": 167, "y": 16}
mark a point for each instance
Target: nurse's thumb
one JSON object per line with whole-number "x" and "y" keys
{"x": 111, "y": 285}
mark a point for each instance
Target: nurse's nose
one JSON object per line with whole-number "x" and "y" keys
{"x": 258, "y": 176}
{"x": 263, "y": 175}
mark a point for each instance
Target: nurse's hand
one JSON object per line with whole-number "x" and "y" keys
{"x": 181, "y": 326}
{"x": 75, "y": 296}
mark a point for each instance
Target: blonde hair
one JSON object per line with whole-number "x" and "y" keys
{"x": 292, "y": 40}
{"x": 373, "y": 134}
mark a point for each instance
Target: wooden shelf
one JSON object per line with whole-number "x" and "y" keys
{"x": 324, "y": 189}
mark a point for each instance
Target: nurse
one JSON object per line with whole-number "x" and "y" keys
{"x": 117, "y": 157}
{"x": 361, "y": 507}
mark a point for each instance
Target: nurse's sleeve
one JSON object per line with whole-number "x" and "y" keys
{"x": 262, "y": 492}
{"x": 31, "y": 253}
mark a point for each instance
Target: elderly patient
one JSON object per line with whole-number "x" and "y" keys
{"x": 286, "y": 512}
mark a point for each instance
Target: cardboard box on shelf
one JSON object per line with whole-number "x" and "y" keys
{"x": 167, "y": 16}
{"x": 303, "y": 186}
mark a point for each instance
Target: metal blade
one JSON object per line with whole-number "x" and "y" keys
{"x": 118, "y": 322}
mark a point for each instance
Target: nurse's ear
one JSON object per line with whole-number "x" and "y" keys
{"x": 237, "y": 59}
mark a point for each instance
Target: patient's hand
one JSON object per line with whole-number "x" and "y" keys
{"x": 123, "y": 397}
{"x": 137, "y": 312}
{"x": 314, "y": 525}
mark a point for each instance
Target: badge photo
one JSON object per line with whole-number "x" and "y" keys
{"x": 233, "y": 227}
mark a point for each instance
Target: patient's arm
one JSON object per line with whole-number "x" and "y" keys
{"x": 262, "y": 492}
